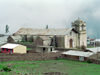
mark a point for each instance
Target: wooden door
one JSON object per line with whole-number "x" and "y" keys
{"x": 71, "y": 43}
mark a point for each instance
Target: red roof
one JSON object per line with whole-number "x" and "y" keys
{"x": 92, "y": 39}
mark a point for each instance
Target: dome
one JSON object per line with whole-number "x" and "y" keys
{"x": 78, "y": 21}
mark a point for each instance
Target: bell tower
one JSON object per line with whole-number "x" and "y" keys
{"x": 80, "y": 27}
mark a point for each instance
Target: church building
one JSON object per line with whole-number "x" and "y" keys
{"x": 73, "y": 37}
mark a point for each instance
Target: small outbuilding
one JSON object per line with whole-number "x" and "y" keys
{"x": 76, "y": 55}
{"x": 12, "y": 39}
{"x": 13, "y": 48}
{"x": 44, "y": 49}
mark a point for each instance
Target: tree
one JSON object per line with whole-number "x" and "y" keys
{"x": 7, "y": 28}
{"x": 46, "y": 26}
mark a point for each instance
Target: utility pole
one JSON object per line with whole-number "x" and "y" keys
{"x": 94, "y": 41}
{"x": 98, "y": 47}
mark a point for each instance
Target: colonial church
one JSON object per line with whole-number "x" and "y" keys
{"x": 65, "y": 38}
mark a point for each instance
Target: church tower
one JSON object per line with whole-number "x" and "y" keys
{"x": 80, "y": 27}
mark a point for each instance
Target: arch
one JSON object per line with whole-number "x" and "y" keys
{"x": 82, "y": 27}
{"x": 71, "y": 43}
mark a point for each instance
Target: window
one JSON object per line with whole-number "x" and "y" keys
{"x": 3, "y": 49}
{"x": 6, "y": 49}
{"x": 70, "y": 33}
{"x": 82, "y": 27}
{"x": 87, "y": 40}
{"x": 75, "y": 27}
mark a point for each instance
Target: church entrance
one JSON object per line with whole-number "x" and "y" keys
{"x": 71, "y": 42}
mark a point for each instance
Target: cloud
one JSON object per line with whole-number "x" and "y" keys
{"x": 55, "y": 13}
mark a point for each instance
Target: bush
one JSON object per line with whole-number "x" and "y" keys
{"x": 6, "y": 69}
{"x": 88, "y": 61}
{"x": 83, "y": 47}
{"x": 60, "y": 59}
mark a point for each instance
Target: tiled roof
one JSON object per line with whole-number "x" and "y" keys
{"x": 31, "y": 31}
{"x": 92, "y": 39}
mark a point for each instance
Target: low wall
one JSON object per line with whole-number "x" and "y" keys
{"x": 95, "y": 61}
{"x": 71, "y": 57}
{"x": 28, "y": 56}
{"x": 95, "y": 56}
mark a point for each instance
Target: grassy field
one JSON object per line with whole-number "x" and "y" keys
{"x": 40, "y": 67}
{"x": 29, "y": 48}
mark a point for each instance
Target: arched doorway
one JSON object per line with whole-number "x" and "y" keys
{"x": 71, "y": 42}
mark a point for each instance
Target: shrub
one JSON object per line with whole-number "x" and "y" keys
{"x": 6, "y": 69}
{"x": 88, "y": 61}
{"x": 83, "y": 47}
{"x": 60, "y": 59}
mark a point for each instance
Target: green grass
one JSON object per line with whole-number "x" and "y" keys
{"x": 63, "y": 66}
{"x": 29, "y": 48}
{"x": 24, "y": 42}
{"x": 93, "y": 46}
{"x": 90, "y": 47}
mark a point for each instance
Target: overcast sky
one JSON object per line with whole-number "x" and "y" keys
{"x": 54, "y": 13}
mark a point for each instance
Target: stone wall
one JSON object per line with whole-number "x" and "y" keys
{"x": 28, "y": 56}
{"x": 38, "y": 41}
{"x": 95, "y": 56}
{"x": 60, "y": 41}
{"x": 95, "y": 61}
{"x": 71, "y": 57}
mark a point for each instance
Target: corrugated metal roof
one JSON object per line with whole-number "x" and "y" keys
{"x": 97, "y": 40}
{"x": 3, "y": 40}
{"x": 94, "y": 50}
{"x": 78, "y": 53}
{"x": 9, "y": 46}
{"x": 31, "y": 31}
{"x": 16, "y": 37}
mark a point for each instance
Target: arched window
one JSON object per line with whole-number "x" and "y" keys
{"x": 75, "y": 27}
{"x": 82, "y": 27}
{"x": 70, "y": 33}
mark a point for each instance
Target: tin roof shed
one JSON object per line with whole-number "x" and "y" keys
{"x": 10, "y": 46}
{"x": 78, "y": 53}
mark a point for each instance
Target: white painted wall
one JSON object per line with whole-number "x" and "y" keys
{"x": 73, "y": 37}
{"x": 19, "y": 49}
{"x": 83, "y": 39}
{"x": 47, "y": 42}
{"x": 47, "y": 49}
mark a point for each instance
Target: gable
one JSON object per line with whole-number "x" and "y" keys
{"x": 72, "y": 32}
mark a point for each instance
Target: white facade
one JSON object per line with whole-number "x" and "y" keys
{"x": 17, "y": 48}
{"x": 44, "y": 49}
{"x": 80, "y": 26}
{"x": 47, "y": 42}
{"x": 73, "y": 37}
{"x": 71, "y": 40}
